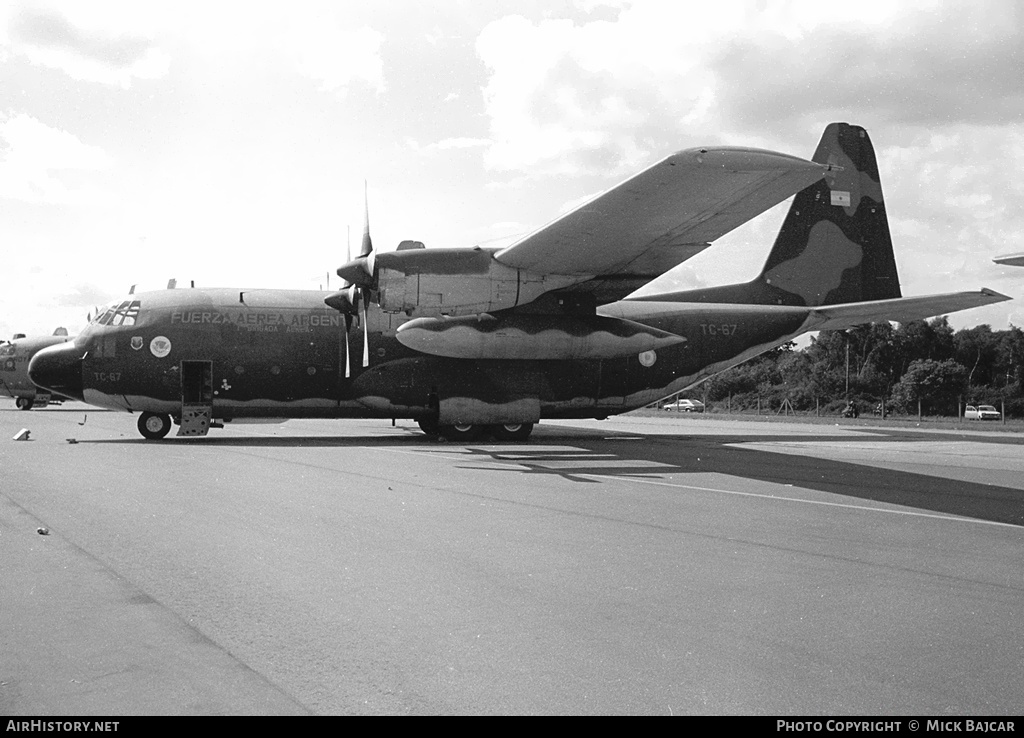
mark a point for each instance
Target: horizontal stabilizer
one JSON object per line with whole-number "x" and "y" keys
{"x": 785, "y": 322}
{"x": 900, "y": 310}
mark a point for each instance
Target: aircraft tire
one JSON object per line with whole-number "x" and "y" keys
{"x": 461, "y": 433}
{"x": 24, "y": 403}
{"x": 428, "y": 426}
{"x": 154, "y": 426}
{"x": 512, "y": 431}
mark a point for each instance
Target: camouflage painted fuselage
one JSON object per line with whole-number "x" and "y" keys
{"x": 282, "y": 354}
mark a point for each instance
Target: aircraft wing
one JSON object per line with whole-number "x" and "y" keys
{"x": 663, "y": 215}
{"x": 1010, "y": 260}
{"x": 900, "y": 309}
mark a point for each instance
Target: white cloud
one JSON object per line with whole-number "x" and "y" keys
{"x": 605, "y": 96}
{"x": 36, "y": 159}
{"x": 151, "y": 66}
{"x": 542, "y": 115}
{"x": 459, "y": 143}
{"x": 955, "y": 200}
{"x": 85, "y": 46}
{"x": 48, "y": 148}
{"x": 338, "y": 57}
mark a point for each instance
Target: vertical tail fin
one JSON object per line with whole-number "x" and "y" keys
{"x": 834, "y": 246}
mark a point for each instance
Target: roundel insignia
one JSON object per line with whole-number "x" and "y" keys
{"x": 136, "y": 342}
{"x": 160, "y": 347}
{"x": 647, "y": 358}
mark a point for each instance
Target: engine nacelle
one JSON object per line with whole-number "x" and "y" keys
{"x": 435, "y": 282}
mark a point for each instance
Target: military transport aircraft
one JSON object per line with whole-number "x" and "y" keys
{"x": 472, "y": 340}
{"x": 14, "y": 358}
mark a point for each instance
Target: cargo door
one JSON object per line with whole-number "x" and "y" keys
{"x": 196, "y": 398}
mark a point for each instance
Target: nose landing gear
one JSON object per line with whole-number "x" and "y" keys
{"x": 154, "y": 426}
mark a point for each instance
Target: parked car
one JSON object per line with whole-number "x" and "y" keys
{"x": 686, "y": 406}
{"x": 981, "y": 412}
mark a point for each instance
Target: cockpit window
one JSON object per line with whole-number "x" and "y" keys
{"x": 124, "y": 313}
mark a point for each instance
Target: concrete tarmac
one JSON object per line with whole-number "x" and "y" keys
{"x": 640, "y": 565}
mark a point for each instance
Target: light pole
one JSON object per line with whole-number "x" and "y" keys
{"x": 847, "y": 365}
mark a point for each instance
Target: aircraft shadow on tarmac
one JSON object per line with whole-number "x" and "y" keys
{"x": 586, "y": 454}
{"x": 49, "y": 409}
{"x": 673, "y": 454}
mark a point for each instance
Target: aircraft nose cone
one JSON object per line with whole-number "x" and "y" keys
{"x": 58, "y": 369}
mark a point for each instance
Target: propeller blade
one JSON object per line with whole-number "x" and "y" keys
{"x": 367, "y": 246}
{"x": 366, "y": 335}
{"x": 345, "y": 284}
{"x": 357, "y": 276}
{"x": 348, "y": 356}
{"x": 360, "y": 270}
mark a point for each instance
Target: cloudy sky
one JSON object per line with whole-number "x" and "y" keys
{"x": 228, "y": 142}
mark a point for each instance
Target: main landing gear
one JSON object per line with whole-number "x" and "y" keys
{"x": 24, "y": 403}
{"x": 512, "y": 431}
{"x": 467, "y": 433}
{"x": 154, "y": 426}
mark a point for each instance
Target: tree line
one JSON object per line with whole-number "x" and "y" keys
{"x": 919, "y": 364}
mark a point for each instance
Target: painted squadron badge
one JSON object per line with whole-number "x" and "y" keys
{"x": 160, "y": 347}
